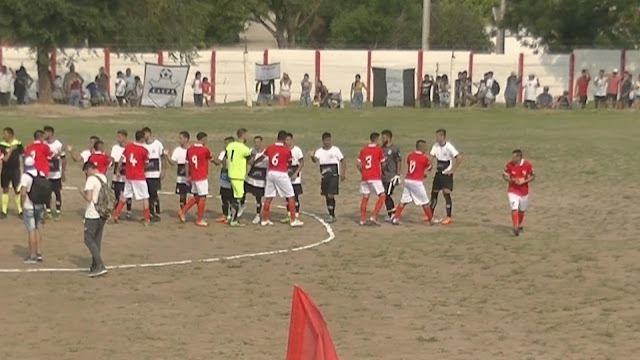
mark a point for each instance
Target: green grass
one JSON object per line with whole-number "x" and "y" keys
{"x": 565, "y": 289}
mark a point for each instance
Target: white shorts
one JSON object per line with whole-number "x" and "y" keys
{"x": 517, "y": 202}
{"x": 200, "y": 187}
{"x": 136, "y": 190}
{"x": 278, "y": 184}
{"x": 414, "y": 192}
{"x": 367, "y": 186}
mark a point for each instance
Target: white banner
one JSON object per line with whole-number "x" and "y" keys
{"x": 267, "y": 72}
{"x": 395, "y": 87}
{"x": 164, "y": 85}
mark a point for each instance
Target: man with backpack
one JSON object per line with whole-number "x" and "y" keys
{"x": 35, "y": 194}
{"x": 100, "y": 201}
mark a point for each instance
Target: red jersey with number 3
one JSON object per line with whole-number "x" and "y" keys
{"x": 522, "y": 170}
{"x": 136, "y": 157}
{"x": 370, "y": 157}
{"x": 279, "y": 157}
{"x": 198, "y": 156}
{"x": 417, "y": 165}
{"x": 39, "y": 151}
{"x": 101, "y": 161}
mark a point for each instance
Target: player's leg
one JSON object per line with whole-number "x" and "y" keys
{"x": 388, "y": 201}
{"x": 57, "y": 191}
{"x": 5, "y": 202}
{"x": 365, "y": 191}
{"x": 202, "y": 188}
{"x": 524, "y": 204}
{"x": 514, "y": 205}
{"x": 285, "y": 189}
{"x": 297, "y": 189}
{"x": 404, "y": 200}
{"x": 435, "y": 189}
{"x": 447, "y": 188}
{"x": 269, "y": 193}
{"x": 238, "y": 194}
{"x": 153, "y": 198}
{"x": 329, "y": 187}
{"x": 141, "y": 192}
{"x": 125, "y": 194}
{"x": 182, "y": 190}
{"x": 379, "y": 190}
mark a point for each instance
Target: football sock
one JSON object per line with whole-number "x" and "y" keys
{"x": 379, "y": 204}
{"x": 188, "y": 205}
{"x": 5, "y": 203}
{"x": 388, "y": 201}
{"x": 235, "y": 206}
{"x": 331, "y": 206}
{"x": 515, "y": 218}
{"x": 202, "y": 200}
{"x": 152, "y": 207}
{"x": 183, "y": 199}
{"x": 18, "y": 201}
{"x": 225, "y": 207}
{"x": 398, "y": 212}
{"x": 427, "y": 212}
{"x": 58, "y": 200}
{"x": 434, "y": 200}
{"x": 128, "y": 205}
{"x": 145, "y": 214}
{"x": 520, "y": 217}
{"x": 258, "y": 205}
{"x": 297, "y": 204}
{"x": 265, "y": 209}
{"x": 363, "y": 208}
{"x": 116, "y": 211}
{"x": 447, "y": 199}
{"x": 244, "y": 199}
{"x": 157, "y": 205}
{"x": 292, "y": 209}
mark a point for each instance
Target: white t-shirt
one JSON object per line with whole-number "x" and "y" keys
{"x": 5, "y": 82}
{"x": 121, "y": 87}
{"x": 530, "y": 90}
{"x": 93, "y": 184}
{"x": 116, "y": 155}
{"x": 600, "y": 84}
{"x": 489, "y": 85}
{"x": 329, "y": 160}
{"x": 55, "y": 167}
{"x": 197, "y": 87}
{"x": 296, "y": 156}
{"x": 25, "y": 184}
{"x": 444, "y": 155}
{"x": 179, "y": 156}
{"x": 85, "y": 155}
{"x": 154, "y": 167}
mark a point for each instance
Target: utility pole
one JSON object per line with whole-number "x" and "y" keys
{"x": 501, "y": 36}
{"x": 426, "y": 23}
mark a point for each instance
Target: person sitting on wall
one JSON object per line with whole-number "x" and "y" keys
{"x": 545, "y": 100}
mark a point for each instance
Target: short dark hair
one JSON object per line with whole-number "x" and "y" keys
{"x": 201, "y": 135}
{"x": 441, "y": 131}
{"x": 241, "y": 132}
{"x": 185, "y": 134}
{"x": 229, "y": 138}
{"x": 146, "y": 129}
{"x": 123, "y": 132}
{"x": 289, "y": 135}
{"x": 38, "y": 134}
{"x": 517, "y": 152}
{"x": 48, "y": 129}
{"x": 387, "y": 133}
{"x": 97, "y": 144}
{"x": 94, "y": 138}
{"x": 9, "y": 130}
{"x": 374, "y": 136}
{"x": 88, "y": 165}
{"x": 282, "y": 135}
{"x": 420, "y": 142}
{"x": 139, "y": 135}
{"x": 326, "y": 135}
{"x": 258, "y": 137}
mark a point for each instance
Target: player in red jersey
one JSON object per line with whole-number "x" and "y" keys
{"x": 136, "y": 184}
{"x": 197, "y": 172}
{"x": 278, "y": 182}
{"x": 99, "y": 158}
{"x": 369, "y": 160}
{"x": 40, "y": 152}
{"x": 518, "y": 173}
{"x": 414, "y": 191}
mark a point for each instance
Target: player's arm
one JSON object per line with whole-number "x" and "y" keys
{"x": 63, "y": 166}
{"x": 313, "y": 157}
{"x": 456, "y": 164}
{"x": 398, "y": 164}
{"x": 359, "y": 165}
{"x": 170, "y": 160}
{"x": 343, "y": 169}
{"x": 75, "y": 156}
{"x": 530, "y": 177}
{"x": 506, "y": 176}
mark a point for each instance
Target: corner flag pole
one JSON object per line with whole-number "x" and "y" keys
{"x": 247, "y": 75}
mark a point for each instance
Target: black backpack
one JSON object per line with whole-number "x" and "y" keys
{"x": 495, "y": 88}
{"x": 40, "y": 193}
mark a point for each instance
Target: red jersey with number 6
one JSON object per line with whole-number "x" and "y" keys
{"x": 370, "y": 157}
{"x": 136, "y": 157}
{"x": 199, "y": 157}
{"x": 101, "y": 161}
{"x": 522, "y": 170}
{"x": 40, "y": 152}
{"x": 417, "y": 165}
{"x": 279, "y": 157}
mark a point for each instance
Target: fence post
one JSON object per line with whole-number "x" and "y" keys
{"x": 265, "y": 56}
{"x": 160, "y": 57}
{"x": 419, "y": 74}
{"x": 572, "y": 70}
{"x": 369, "y": 75}
{"x": 107, "y": 66}
{"x": 317, "y": 65}
{"x": 623, "y": 60}
{"x": 53, "y": 63}
{"x": 520, "y": 76}
{"x": 470, "y": 70}
{"x": 213, "y": 76}
{"x": 1, "y": 46}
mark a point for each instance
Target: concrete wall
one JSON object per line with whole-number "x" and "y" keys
{"x": 337, "y": 68}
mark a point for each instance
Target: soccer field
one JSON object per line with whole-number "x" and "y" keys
{"x": 567, "y": 288}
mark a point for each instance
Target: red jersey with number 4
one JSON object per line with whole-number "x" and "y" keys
{"x": 370, "y": 158}
{"x": 39, "y": 151}
{"x": 136, "y": 157}
{"x": 279, "y": 157}
{"x": 522, "y": 170}
{"x": 417, "y": 165}
{"x": 199, "y": 157}
{"x": 101, "y": 161}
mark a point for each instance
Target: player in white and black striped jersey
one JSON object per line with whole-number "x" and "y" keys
{"x": 154, "y": 172}
{"x": 119, "y": 177}
{"x": 254, "y": 183}
{"x": 294, "y": 171}
{"x": 57, "y": 169}
{"x": 178, "y": 158}
{"x": 332, "y": 169}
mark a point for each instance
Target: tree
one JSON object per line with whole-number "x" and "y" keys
{"x": 562, "y": 25}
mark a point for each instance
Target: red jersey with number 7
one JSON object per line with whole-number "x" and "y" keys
{"x": 417, "y": 165}
{"x": 279, "y": 157}
{"x": 198, "y": 156}
{"x": 370, "y": 157}
{"x": 40, "y": 152}
{"x": 136, "y": 157}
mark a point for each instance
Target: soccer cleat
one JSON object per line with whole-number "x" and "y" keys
{"x": 362, "y": 223}
{"x": 389, "y": 218}
{"x": 146, "y": 223}
{"x": 3, "y": 216}
{"x": 30, "y": 261}
{"x": 236, "y": 224}
{"x": 285, "y": 220}
{"x": 520, "y": 229}
{"x": 181, "y": 217}
{"x": 202, "y": 223}
{"x": 48, "y": 215}
{"x": 155, "y": 218}
{"x": 330, "y": 220}
{"x": 426, "y": 219}
{"x": 374, "y": 221}
{"x": 516, "y": 231}
{"x": 266, "y": 223}
{"x": 446, "y": 221}
{"x": 241, "y": 210}
{"x": 128, "y": 216}
{"x": 56, "y": 216}
{"x": 396, "y": 222}
{"x": 297, "y": 223}
{"x": 20, "y": 215}
{"x": 256, "y": 220}
{"x": 114, "y": 220}
{"x": 221, "y": 219}
{"x": 97, "y": 272}
{"x": 39, "y": 258}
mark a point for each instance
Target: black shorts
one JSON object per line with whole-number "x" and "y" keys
{"x": 253, "y": 190}
{"x": 330, "y": 185}
{"x": 226, "y": 193}
{"x": 297, "y": 189}
{"x": 10, "y": 177}
{"x": 442, "y": 181}
{"x": 182, "y": 189}
{"x": 612, "y": 97}
{"x": 388, "y": 188}
{"x": 56, "y": 184}
{"x": 154, "y": 185}
{"x": 117, "y": 187}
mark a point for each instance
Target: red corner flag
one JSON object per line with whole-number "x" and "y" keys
{"x": 309, "y": 337}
